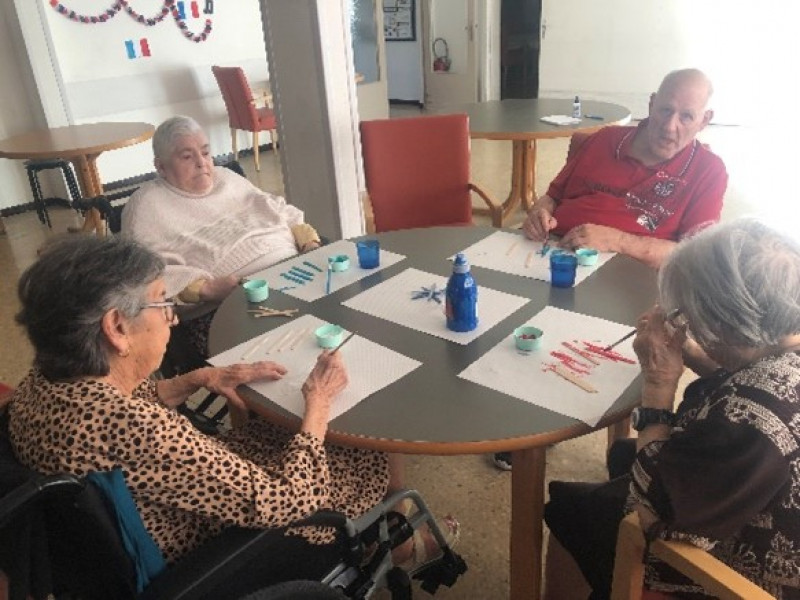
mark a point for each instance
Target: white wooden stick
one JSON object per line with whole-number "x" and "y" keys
{"x": 528, "y": 260}
{"x": 280, "y": 340}
{"x": 297, "y": 340}
{"x": 511, "y": 248}
{"x": 561, "y": 371}
{"x": 255, "y": 347}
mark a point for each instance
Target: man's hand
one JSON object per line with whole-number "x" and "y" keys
{"x": 599, "y": 237}
{"x": 538, "y": 224}
{"x": 217, "y": 289}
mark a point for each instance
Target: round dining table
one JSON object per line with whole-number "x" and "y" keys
{"x": 81, "y": 145}
{"x": 520, "y": 121}
{"x": 433, "y": 411}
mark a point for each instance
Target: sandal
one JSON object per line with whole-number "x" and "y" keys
{"x": 422, "y": 554}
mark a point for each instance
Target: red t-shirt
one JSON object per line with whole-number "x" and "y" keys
{"x": 604, "y": 185}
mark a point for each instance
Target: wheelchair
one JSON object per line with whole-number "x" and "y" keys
{"x": 60, "y": 538}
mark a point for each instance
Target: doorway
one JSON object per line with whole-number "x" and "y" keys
{"x": 520, "y": 24}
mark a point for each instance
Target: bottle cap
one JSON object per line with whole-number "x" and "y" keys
{"x": 461, "y": 264}
{"x": 577, "y": 99}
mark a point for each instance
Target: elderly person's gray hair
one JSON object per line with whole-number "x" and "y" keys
{"x": 737, "y": 284}
{"x": 65, "y": 294}
{"x": 170, "y": 131}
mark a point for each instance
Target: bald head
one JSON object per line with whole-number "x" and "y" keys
{"x": 678, "y": 112}
{"x": 693, "y": 80}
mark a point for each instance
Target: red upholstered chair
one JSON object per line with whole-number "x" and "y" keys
{"x": 242, "y": 110}
{"x": 417, "y": 172}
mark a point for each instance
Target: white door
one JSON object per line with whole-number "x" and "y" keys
{"x": 449, "y": 54}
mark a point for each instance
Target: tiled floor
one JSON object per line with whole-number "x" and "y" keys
{"x": 468, "y": 486}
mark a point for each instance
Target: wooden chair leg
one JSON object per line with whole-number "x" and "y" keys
{"x": 255, "y": 150}
{"x": 274, "y": 135}
{"x": 234, "y": 145}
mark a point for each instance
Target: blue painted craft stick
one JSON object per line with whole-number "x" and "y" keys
{"x": 294, "y": 279}
{"x": 286, "y": 287}
{"x": 312, "y": 265}
{"x": 303, "y": 271}
{"x": 328, "y": 282}
{"x": 300, "y": 274}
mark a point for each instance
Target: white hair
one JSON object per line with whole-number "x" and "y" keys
{"x": 736, "y": 283}
{"x": 170, "y": 131}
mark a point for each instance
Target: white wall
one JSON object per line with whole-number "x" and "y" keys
{"x": 99, "y": 82}
{"x": 404, "y": 65}
{"x": 20, "y": 110}
{"x": 619, "y": 50}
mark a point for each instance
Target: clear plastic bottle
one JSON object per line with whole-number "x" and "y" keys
{"x": 576, "y": 108}
{"x": 461, "y": 297}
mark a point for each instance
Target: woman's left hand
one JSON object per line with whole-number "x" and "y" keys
{"x": 224, "y": 381}
{"x": 658, "y": 349}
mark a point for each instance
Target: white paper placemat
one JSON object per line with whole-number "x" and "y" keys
{"x": 391, "y": 300}
{"x": 313, "y": 286}
{"x": 524, "y": 376}
{"x": 514, "y": 253}
{"x": 370, "y": 366}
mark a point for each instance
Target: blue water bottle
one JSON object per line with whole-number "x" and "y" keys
{"x": 461, "y": 298}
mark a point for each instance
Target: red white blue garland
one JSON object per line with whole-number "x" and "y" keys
{"x": 169, "y": 7}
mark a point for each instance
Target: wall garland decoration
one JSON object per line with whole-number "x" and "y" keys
{"x": 170, "y": 6}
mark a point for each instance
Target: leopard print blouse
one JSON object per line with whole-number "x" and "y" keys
{"x": 187, "y": 485}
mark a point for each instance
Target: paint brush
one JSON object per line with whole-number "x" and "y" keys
{"x": 347, "y": 339}
{"x": 628, "y": 335}
{"x": 670, "y": 316}
{"x": 328, "y": 281}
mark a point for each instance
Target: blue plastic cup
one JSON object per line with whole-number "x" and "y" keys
{"x": 562, "y": 269}
{"x": 369, "y": 253}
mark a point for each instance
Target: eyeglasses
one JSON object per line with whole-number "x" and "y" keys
{"x": 677, "y": 320}
{"x": 168, "y": 306}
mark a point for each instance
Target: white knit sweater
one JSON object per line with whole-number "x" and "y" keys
{"x": 214, "y": 234}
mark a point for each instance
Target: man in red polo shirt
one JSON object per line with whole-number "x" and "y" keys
{"x": 639, "y": 190}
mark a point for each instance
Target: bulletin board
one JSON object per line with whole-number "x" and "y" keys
{"x": 399, "y": 22}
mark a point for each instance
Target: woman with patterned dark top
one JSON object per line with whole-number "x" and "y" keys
{"x": 724, "y": 471}
{"x": 97, "y": 314}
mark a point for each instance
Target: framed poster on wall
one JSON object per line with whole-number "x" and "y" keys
{"x": 399, "y": 23}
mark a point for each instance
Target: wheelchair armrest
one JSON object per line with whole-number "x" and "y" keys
{"x": 21, "y": 497}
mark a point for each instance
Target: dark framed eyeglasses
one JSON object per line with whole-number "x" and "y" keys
{"x": 677, "y": 320}
{"x": 168, "y": 306}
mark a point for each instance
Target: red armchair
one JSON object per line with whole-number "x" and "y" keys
{"x": 417, "y": 172}
{"x": 242, "y": 110}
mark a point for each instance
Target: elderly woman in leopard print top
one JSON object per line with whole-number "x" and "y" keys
{"x": 723, "y": 472}
{"x": 97, "y": 314}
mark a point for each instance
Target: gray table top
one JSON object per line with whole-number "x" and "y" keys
{"x": 521, "y": 118}
{"x": 431, "y": 410}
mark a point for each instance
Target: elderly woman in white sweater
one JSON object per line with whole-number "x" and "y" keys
{"x": 209, "y": 225}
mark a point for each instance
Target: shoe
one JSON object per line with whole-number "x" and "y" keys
{"x": 421, "y": 554}
{"x": 502, "y": 460}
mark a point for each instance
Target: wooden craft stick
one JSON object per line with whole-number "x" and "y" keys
{"x": 255, "y": 347}
{"x": 562, "y": 372}
{"x": 580, "y": 353}
{"x": 280, "y": 340}
{"x": 511, "y": 248}
{"x": 286, "y": 345}
{"x": 528, "y": 260}
{"x": 296, "y": 341}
